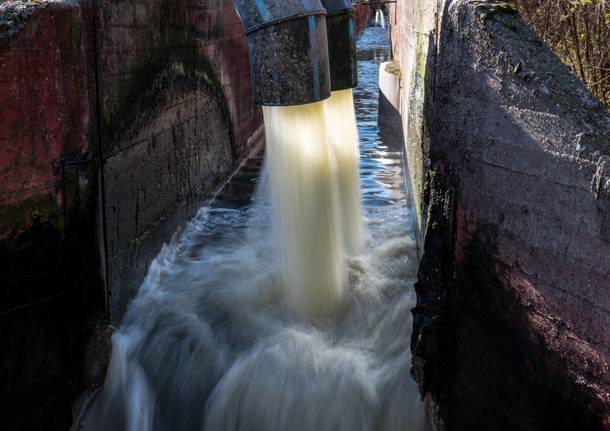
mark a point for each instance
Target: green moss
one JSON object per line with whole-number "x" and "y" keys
{"x": 421, "y": 132}
{"x": 153, "y": 75}
{"x": 20, "y": 215}
{"x": 393, "y": 68}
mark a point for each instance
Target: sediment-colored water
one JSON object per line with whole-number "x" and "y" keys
{"x": 312, "y": 160}
{"x": 285, "y": 311}
{"x": 343, "y": 139}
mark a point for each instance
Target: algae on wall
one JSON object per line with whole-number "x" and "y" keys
{"x": 415, "y": 44}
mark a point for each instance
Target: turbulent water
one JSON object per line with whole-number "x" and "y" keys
{"x": 225, "y": 335}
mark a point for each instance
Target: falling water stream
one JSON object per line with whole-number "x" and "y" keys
{"x": 379, "y": 18}
{"x": 279, "y": 307}
{"x": 312, "y": 163}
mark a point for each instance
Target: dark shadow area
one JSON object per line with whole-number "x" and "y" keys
{"x": 52, "y": 304}
{"x": 390, "y": 123}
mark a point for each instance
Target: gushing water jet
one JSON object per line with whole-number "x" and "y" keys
{"x": 303, "y": 174}
{"x": 312, "y": 153}
{"x": 379, "y": 18}
{"x": 343, "y": 140}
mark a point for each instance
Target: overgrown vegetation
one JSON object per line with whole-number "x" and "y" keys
{"x": 579, "y": 32}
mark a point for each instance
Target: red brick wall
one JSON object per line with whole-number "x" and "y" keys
{"x": 46, "y": 83}
{"x": 47, "y": 136}
{"x": 224, "y": 41}
{"x": 47, "y": 100}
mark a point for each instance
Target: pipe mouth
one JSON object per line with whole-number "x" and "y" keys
{"x": 258, "y": 14}
{"x": 342, "y": 45}
{"x": 288, "y": 49}
{"x": 282, "y": 20}
{"x": 289, "y": 62}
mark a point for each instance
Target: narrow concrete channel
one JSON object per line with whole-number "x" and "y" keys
{"x": 208, "y": 342}
{"x": 193, "y": 237}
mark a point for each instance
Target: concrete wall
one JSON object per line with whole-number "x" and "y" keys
{"x": 117, "y": 120}
{"x": 509, "y": 160}
{"x": 173, "y": 79}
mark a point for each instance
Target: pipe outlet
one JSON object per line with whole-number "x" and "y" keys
{"x": 340, "y": 28}
{"x": 288, "y": 50}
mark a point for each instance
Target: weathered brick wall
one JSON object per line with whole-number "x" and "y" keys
{"x": 510, "y": 161}
{"x": 224, "y": 40}
{"x": 48, "y": 279}
{"x": 43, "y": 67}
{"x": 84, "y": 206}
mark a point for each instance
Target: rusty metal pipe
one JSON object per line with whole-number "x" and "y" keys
{"x": 288, "y": 50}
{"x": 340, "y": 28}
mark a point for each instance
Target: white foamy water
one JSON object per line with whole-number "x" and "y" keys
{"x": 288, "y": 312}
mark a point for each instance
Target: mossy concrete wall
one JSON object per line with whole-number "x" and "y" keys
{"x": 508, "y": 155}
{"x": 176, "y": 113}
{"x": 414, "y": 26}
{"x": 117, "y": 120}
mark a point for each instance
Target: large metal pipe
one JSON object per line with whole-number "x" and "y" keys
{"x": 340, "y": 27}
{"x": 288, "y": 50}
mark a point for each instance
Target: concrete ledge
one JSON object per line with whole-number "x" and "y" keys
{"x": 390, "y": 123}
